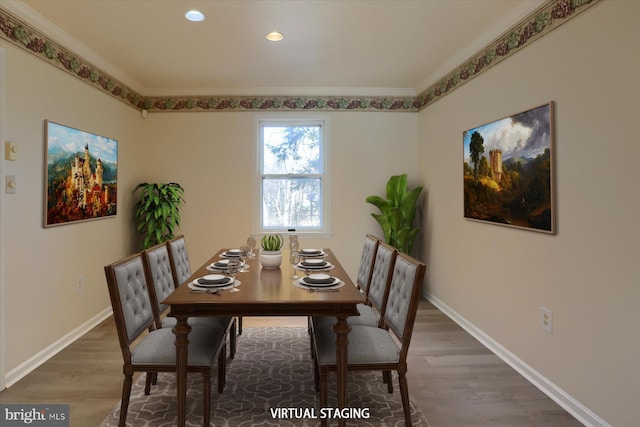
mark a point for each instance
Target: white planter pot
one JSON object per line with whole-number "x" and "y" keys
{"x": 270, "y": 259}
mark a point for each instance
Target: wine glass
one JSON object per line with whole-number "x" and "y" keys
{"x": 251, "y": 242}
{"x": 243, "y": 255}
{"x": 294, "y": 246}
{"x": 232, "y": 268}
{"x": 294, "y": 259}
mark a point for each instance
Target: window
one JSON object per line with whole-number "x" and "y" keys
{"x": 293, "y": 176}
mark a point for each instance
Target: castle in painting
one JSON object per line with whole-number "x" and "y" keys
{"x": 88, "y": 184}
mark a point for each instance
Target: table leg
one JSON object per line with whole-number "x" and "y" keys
{"x": 181, "y": 330}
{"x": 341, "y": 329}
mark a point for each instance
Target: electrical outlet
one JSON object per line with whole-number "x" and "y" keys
{"x": 546, "y": 319}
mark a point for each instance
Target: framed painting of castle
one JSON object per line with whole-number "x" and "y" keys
{"x": 81, "y": 175}
{"x": 508, "y": 171}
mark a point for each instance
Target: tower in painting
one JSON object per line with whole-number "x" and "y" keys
{"x": 495, "y": 162}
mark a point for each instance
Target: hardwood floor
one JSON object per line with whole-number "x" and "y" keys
{"x": 453, "y": 379}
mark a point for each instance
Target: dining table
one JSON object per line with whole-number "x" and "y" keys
{"x": 264, "y": 292}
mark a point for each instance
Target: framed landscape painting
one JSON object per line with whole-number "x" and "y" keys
{"x": 509, "y": 173}
{"x": 80, "y": 175}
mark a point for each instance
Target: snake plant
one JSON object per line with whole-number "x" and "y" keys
{"x": 397, "y": 213}
{"x": 157, "y": 212}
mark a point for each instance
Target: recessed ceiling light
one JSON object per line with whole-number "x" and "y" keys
{"x": 194, "y": 15}
{"x": 275, "y": 36}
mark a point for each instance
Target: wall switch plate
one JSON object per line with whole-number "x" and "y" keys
{"x": 10, "y": 184}
{"x": 11, "y": 150}
{"x": 546, "y": 319}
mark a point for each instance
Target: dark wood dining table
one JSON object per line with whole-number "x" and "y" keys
{"x": 264, "y": 292}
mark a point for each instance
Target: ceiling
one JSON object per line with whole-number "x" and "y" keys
{"x": 393, "y": 47}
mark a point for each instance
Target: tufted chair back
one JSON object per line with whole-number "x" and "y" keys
{"x": 132, "y": 309}
{"x": 366, "y": 263}
{"x": 179, "y": 260}
{"x": 158, "y": 269}
{"x": 381, "y": 274}
{"x": 404, "y": 295}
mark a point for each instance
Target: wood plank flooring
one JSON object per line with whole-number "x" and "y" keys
{"x": 453, "y": 379}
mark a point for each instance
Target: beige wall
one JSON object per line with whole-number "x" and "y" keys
{"x": 497, "y": 278}
{"x": 40, "y": 266}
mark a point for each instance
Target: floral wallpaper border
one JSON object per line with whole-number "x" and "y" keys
{"x": 547, "y": 18}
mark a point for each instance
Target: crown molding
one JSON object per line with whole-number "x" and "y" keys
{"x": 41, "y": 43}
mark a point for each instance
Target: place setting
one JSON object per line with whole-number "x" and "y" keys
{"x": 312, "y": 253}
{"x": 319, "y": 282}
{"x": 214, "y": 283}
{"x": 222, "y": 265}
{"x": 314, "y": 265}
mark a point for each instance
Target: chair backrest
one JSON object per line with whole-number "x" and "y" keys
{"x": 403, "y": 297}
{"x": 158, "y": 270}
{"x": 132, "y": 309}
{"x": 179, "y": 260}
{"x": 366, "y": 262}
{"x": 381, "y": 275}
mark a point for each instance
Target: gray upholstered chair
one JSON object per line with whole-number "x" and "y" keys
{"x": 179, "y": 259}
{"x": 158, "y": 269}
{"x": 366, "y": 263}
{"x": 373, "y": 348}
{"x": 379, "y": 278}
{"x": 181, "y": 269}
{"x": 155, "y": 351}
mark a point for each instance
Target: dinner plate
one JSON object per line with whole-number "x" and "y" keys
{"x": 336, "y": 284}
{"x": 195, "y": 286}
{"x": 212, "y": 284}
{"x": 312, "y": 253}
{"x": 319, "y": 267}
{"x": 231, "y": 253}
{"x": 319, "y": 280}
{"x": 213, "y": 279}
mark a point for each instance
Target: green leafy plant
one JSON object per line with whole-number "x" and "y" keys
{"x": 157, "y": 212}
{"x": 397, "y": 213}
{"x": 272, "y": 242}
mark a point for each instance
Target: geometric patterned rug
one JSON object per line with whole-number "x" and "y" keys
{"x": 272, "y": 370}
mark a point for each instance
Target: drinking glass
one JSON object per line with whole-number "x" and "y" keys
{"x": 294, "y": 246}
{"x": 251, "y": 242}
{"x": 232, "y": 268}
{"x": 243, "y": 255}
{"x": 294, "y": 259}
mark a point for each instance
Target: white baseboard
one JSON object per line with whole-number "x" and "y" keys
{"x": 571, "y": 405}
{"x": 48, "y": 352}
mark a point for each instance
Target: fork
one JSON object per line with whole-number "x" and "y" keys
{"x": 323, "y": 290}
{"x": 205, "y": 291}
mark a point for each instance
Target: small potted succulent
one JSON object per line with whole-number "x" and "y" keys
{"x": 271, "y": 253}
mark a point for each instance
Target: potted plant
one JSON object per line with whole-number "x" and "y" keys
{"x": 157, "y": 213}
{"x": 271, "y": 253}
{"x": 398, "y": 211}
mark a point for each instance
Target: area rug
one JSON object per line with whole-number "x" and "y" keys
{"x": 269, "y": 383}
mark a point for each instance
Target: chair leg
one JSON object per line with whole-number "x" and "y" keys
{"x": 155, "y": 378}
{"x": 126, "y": 394}
{"x": 316, "y": 375}
{"x": 404, "y": 394}
{"x": 388, "y": 380}
{"x": 206, "y": 396}
{"x": 222, "y": 369}
{"x": 323, "y": 391}
{"x": 239, "y": 325}
{"x": 147, "y": 383}
{"x": 233, "y": 339}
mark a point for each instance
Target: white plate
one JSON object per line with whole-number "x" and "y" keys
{"x": 321, "y": 267}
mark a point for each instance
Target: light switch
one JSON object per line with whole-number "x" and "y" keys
{"x": 11, "y": 184}
{"x": 11, "y": 150}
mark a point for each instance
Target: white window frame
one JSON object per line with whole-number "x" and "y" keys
{"x": 325, "y": 230}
